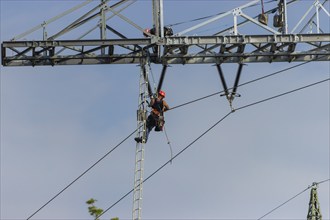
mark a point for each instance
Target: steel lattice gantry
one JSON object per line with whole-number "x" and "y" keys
{"x": 224, "y": 46}
{"x": 177, "y": 50}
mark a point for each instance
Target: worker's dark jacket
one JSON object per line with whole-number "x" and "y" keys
{"x": 158, "y": 106}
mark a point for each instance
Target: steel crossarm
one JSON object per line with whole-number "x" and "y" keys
{"x": 197, "y": 50}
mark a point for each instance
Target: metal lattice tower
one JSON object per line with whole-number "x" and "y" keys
{"x": 271, "y": 43}
{"x": 139, "y": 153}
{"x": 314, "y": 210}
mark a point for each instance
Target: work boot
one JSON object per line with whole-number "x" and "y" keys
{"x": 138, "y": 139}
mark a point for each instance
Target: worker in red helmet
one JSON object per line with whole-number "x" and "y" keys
{"x": 156, "y": 118}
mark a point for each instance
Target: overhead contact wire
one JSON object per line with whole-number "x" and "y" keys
{"x": 209, "y": 16}
{"x": 81, "y": 175}
{"x": 205, "y": 132}
{"x": 246, "y": 83}
{"x": 169, "y": 161}
{"x": 282, "y": 94}
{"x": 291, "y": 199}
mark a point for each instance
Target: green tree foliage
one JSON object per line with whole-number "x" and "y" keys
{"x": 94, "y": 211}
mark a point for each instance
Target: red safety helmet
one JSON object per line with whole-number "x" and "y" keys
{"x": 162, "y": 93}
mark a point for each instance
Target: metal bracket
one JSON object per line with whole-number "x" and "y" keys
{"x": 230, "y": 95}
{"x": 161, "y": 79}
{"x": 141, "y": 115}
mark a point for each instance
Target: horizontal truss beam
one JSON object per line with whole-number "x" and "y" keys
{"x": 177, "y": 50}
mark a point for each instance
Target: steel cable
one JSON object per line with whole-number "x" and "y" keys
{"x": 277, "y": 207}
{"x": 246, "y": 83}
{"x": 205, "y": 132}
{"x": 81, "y": 175}
{"x": 87, "y": 170}
{"x": 282, "y": 94}
{"x": 208, "y": 16}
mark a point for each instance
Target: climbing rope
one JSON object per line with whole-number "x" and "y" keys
{"x": 169, "y": 144}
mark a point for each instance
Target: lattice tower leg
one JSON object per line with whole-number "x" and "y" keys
{"x": 139, "y": 154}
{"x": 314, "y": 210}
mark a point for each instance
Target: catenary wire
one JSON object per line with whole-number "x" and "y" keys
{"x": 272, "y": 74}
{"x": 177, "y": 154}
{"x": 282, "y": 94}
{"x": 169, "y": 161}
{"x": 209, "y": 129}
{"x": 209, "y": 16}
{"x": 87, "y": 170}
{"x": 323, "y": 181}
{"x": 292, "y": 198}
{"x": 81, "y": 175}
{"x": 246, "y": 83}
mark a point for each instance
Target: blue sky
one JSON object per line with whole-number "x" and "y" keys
{"x": 57, "y": 121}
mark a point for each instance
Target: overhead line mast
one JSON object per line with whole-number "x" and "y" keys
{"x": 144, "y": 95}
{"x": 314, "y": 209}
